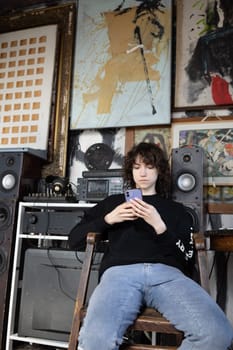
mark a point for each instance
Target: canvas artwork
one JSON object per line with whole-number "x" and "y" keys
{"x": 122, "y": 64}
{"x": 159, "y": 136}
{"x": 95, "y": 149}
{"x": 217, "y": 142}
{"x": 26, "y": 77}
{"x": 204, "y": 51}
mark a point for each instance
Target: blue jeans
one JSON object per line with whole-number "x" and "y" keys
{"x": 123, "y": 290}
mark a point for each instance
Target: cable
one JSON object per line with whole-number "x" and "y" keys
{"x": 59, "y": 276}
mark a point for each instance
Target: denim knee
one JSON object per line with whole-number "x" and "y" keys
{"x": 98, "y": 340}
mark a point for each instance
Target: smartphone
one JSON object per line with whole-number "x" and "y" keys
{"x": 133, "y": 193}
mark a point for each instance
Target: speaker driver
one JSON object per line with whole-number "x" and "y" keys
{"x": 3, "y": 261}
{"x": 195, "y": 218}
{"x": 10, "y": 161}
{"x": 4, "y": 215}
{"x": 186, "y": 182}
{"x": 2, "y": 237}
{"x": 59, "y": 185}
{"x": 8, "y": 181}
{"x": 187, "y": 158}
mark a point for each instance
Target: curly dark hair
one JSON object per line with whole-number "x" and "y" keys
{"x": 151, "y": 154}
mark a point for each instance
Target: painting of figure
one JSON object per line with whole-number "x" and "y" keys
{"x": 204, "y": 71}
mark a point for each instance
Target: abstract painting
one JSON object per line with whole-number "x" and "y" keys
{"x": 122, "y": 64}
{"x": 204, "y": 51}
{"x": 161, "y": 136}
{"x": 108, "y": 155}
{"x": 216, "y": 138}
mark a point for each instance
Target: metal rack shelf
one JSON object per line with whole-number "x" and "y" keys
{"x": 12, "y": 335}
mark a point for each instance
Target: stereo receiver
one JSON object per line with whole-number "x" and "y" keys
{"x": 97, "y": 185}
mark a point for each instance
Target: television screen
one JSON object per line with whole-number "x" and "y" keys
{"x": 49, "y": 288}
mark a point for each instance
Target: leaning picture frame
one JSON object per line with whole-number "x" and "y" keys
{"x": 64, "y": 17}
{"x": 160, "y": 135}
{"x": 216, "y": 138}
{"x": 204, "y": 63}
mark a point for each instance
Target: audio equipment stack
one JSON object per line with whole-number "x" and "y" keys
{"x": 45, "y": 274}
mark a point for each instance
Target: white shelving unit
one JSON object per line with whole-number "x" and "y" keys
{"x": 15, "y": 282}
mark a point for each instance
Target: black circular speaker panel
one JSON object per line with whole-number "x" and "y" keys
{"x": 98, "y": 156}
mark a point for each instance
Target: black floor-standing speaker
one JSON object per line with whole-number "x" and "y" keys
{"x": 187, "y": 168}
{"x": 18, "y": 174}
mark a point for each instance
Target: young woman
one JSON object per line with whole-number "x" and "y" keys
{"x": 149, "y": 262}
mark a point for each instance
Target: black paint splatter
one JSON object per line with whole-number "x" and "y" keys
{"x": 145, "y": 8}
{"x": 137, "y": 34}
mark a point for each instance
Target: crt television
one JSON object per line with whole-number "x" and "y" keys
{"x": 49, "y": 288}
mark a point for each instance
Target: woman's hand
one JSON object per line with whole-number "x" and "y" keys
{"x": 148, "y": 213}
{"x": 121, "y": 213}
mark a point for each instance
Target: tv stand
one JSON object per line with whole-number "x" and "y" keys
{"x": 39, "y": 240}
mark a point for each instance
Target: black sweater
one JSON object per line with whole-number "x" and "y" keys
{"x": 136, "y": 241}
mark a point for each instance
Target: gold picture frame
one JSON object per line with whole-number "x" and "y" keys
{"x": 64, "y": 17}
{"x": 160, "y": 135}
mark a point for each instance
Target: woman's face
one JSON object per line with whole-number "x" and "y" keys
{"x": 145, "y": 176}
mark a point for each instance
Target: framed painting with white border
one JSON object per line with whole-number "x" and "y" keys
{"x": 216, "y": 138}
{"x": 204, "y": 66}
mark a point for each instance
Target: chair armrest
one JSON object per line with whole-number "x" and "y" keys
{"x": 200, "y": 246}
{"x": 94, "y": 237}
{"x": 199, "y": 241}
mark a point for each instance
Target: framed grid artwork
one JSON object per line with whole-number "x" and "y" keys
{"x": 26, "y": 78}
{"x": 63, "y": 17}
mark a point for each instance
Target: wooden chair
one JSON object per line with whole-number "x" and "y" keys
{"x": 149, "y": 320}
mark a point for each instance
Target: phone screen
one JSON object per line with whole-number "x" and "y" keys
{"x": 133, "y": 193}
